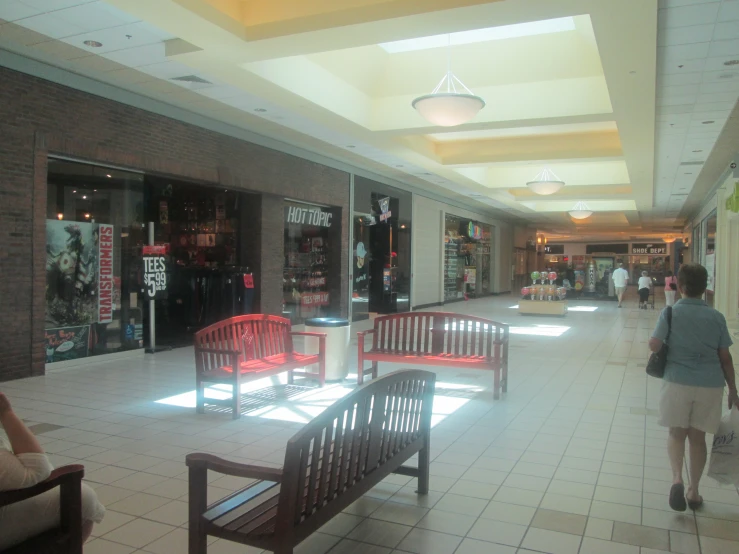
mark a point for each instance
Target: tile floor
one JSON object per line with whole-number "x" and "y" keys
{"x": 571, "y": 461}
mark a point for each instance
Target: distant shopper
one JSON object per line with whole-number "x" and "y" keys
{"x": 698, "y": 364}
{"x": 670, "y": 288}
{"x": 644, "y": 286}
{"x": 620, "y": 280}
{"x": 22, "y": 465}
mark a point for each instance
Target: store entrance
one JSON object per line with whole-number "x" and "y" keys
{"x": 201, "y": 228}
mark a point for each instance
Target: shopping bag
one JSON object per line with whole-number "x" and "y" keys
{"x": 724, "y": 466}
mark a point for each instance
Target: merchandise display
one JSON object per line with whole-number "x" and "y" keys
{"x": 543, "y": 297}
{"x": 467, "y": 258}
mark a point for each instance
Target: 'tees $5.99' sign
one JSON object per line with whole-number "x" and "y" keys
{"x": 155, "y": 273}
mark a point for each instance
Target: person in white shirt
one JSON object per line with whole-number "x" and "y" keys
{"x": 644, "y": 286}
{"x": 24, "y": 464}
{"x": 620, "y": 280}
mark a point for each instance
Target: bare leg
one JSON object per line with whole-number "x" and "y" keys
{"x": 698, "y": 454}
{"x": 86, "y": 530}
{"x": 676, "y": 452}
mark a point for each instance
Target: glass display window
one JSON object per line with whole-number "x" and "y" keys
{"x": 467, "y": 258}
{"x": 94, "y": 229}
{"x": 307, "y": 274}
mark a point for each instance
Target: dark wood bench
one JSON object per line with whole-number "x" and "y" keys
{"x": 330, "y": 463}
{"x": 440, "y": 339}
{"x": 258, "y": 346}
{"x": 67, "y": 538}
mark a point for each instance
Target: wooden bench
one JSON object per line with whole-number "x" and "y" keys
{"x": 259, "y": 346}
{"x": 330, "y": 463}
{"x": 67, "y": 538}
{"x": 440, "y": 339}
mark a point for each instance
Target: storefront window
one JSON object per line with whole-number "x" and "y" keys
{"x": 307, "y": 273}
{"x": 94, "y": 228}
{"x": 381, "y": 251}
{"x": 710, "y": 257}
{"x": 467, "y": 258}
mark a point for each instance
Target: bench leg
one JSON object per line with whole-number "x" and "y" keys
{"x": 290, "y": 378}
{"x": 374, "y": 370}
{"x": 505, "y": 377}
{"x": 496, "y": 389}
{"x": 424, "y": 461}
{"x": 197, "y": 488}
{"x": 236, "y": 406}
{"x": 200, "y": 396}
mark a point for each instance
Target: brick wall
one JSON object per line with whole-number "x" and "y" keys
{"x": 38, "y": 118}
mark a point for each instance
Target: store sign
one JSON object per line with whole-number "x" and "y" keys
{"x": 66, "y": 343}
{"x": 314, "y": 299}
{"x": 385, "y": 212}
{"x": 474, "y": 231}
{"x": 554, "y": 249}
{"x": 732, "y": 202}
{"x": 315, "y": 282}
{"x": 308, "y": 216}
{"x": 155, "y": 272}
{"x": 105, "y": 273}
{"x": 648, "y": 248}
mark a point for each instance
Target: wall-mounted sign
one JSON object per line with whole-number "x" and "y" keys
{"x": 155, "y": 272}
{"x": 385, "y": 212}
{"x": 554, "y": 249}
{"x": 616, "y": 248}
{"x": 474, "y": 231}
{"x": 308, "y": 216}
{"x": 732, "y": 202}
{"x": 639, "y": 248}
{"x": 66, "y": 343}
{"x": 105, "y": 273}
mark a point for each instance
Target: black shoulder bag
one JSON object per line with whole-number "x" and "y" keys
{"x": 658, "y": 360}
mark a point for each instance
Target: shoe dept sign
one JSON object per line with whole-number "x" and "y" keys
{"x": 308, "y": 216}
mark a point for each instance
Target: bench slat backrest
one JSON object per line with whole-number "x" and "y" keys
{"x": 350, "y": 440}
{"x": 438, "y": 333}
{"x": 252, "y": 336}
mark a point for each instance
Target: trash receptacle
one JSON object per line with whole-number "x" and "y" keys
{"x": 338, "y": 333}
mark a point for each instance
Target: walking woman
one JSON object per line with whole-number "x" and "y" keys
{"x": 644, "y": 286}
{"x": 670, "y": 288}
{"x": 698, "y": 365}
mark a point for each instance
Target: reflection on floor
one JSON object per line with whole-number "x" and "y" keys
{"x": 570, "y": 461}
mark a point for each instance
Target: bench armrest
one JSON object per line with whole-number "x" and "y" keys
{"x": 360, "y": 340}
{"x": 58, "y": 477}
{"x": 307, "y": 334}
{"x": 219, "y": 465}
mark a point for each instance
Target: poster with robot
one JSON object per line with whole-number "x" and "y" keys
{"x": 81, "y": 285}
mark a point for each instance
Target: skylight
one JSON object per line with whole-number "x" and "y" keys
{"x": 533, "y": 28}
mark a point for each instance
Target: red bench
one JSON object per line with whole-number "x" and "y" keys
{"x": 440, "y": 339}
{"x": 259, "y": 346}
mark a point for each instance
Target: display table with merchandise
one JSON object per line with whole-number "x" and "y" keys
{"x": 543, "y": 297}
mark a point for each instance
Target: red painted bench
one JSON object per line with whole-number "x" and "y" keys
{"x": 440, "y": 339}
{"x": 330, "y": 463}
{"x": 259, "y": 346}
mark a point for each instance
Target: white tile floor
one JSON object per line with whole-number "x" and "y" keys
{"x": 570, "y": 461}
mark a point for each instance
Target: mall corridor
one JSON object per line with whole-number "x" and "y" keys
{"x": 570, "y": 461}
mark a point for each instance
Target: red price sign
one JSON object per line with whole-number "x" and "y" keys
{"x": 248, "y": 281}
{"x": 158, "y": 250}
{"x": 314, "y": 299}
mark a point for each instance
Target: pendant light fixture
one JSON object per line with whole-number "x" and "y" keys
{"x": 451, "y": 103}
{"x": 581, "y": 211}
{"x": 545, "y": 183}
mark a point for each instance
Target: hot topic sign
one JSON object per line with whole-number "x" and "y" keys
{"x": 308, "y": 216}
{"x": 155, "y": 272}
{"x": 105, "y": 273}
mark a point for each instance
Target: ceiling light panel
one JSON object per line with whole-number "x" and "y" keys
{"x": 504, "y": 32}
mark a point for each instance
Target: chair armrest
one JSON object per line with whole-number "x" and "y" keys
{"x": 219, "y": 465}
{"x": 58, "y": 477}
{"x": 365, "y": 333}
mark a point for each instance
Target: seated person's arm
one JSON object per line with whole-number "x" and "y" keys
{"x": 26, "y": 464}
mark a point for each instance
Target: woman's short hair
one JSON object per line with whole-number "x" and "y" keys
{"x": 693, "y": 279}
{"x": 644, "y": 273}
